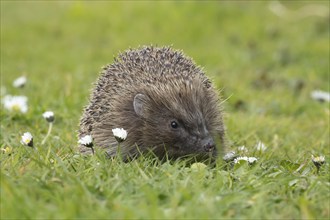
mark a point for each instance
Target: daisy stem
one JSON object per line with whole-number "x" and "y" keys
{"x": 118, "y": 150}
{"x": 48, "y": 133}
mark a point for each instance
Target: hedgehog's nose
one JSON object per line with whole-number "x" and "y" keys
{"x": 209, "y": 145}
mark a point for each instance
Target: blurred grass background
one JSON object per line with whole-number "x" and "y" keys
{"x": 266, "y": 57}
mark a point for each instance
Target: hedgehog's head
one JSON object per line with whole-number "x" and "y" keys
{"x": 180, "y": 118}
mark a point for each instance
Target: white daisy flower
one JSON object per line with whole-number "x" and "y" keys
{"x": 120, "y": 134}
{"x": 49, "y": 116}
{"x": 250, "y": 160}
{"x": 230, "y": 156}
{"x": 260, "y": 146}
{"x": 318, "y": 161}
{"x": 242, "y": 149}
{"x": 19, "y": 82}
{"x": 320, "y": 95}
{"x": 27, "y": 139}
{"x": 87, "y": 141}
{"x": 16, "y": 103}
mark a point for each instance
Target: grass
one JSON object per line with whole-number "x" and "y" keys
{"x": 266, "y": 65}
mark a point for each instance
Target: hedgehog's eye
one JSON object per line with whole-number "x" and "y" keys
{"x": 174, "y": 124}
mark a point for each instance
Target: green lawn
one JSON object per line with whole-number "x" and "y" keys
{"x": 266, "y": 60}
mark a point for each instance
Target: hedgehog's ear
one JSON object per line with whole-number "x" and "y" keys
{"x": 139, "y": 103}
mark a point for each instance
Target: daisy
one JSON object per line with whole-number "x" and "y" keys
{"x": 19, "y": 82}
{"x": 49, "y": 116}
{"x": 260, "y": 146}
{"x": 318, "y": 161}
{"x": 87, "y": 141}
{"x": 27, "y": 139}
{"x": 250, "y": 160}
{"x": 242, "y": 149}
{"x": 230, "y": 156}
{"x": 16, "y": 103}
{"x": 120, "y": 134}
{"x": 320, "y": 95}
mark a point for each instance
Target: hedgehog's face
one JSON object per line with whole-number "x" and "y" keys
{"x": 185, "y": 138}
{"x": 184, "y": 131}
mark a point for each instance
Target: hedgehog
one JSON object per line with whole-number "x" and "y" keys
{"x": 162, "y": 99}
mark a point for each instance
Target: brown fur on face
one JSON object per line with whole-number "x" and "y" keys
{"x": 145, "y": 91}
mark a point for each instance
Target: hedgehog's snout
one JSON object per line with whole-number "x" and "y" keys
{"x": 208, "y": 144}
